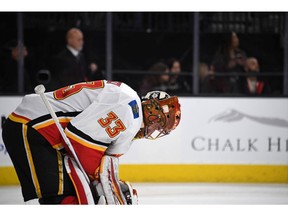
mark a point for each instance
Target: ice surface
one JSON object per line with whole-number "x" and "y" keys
{"x": 189, "y": 193}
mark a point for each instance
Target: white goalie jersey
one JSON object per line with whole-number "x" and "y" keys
{"x": 98, "y": 117}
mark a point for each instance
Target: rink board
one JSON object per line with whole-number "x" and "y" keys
{"x": 205, "y": 173}
{"x": 186, "y": 173}
{"x": 218, "y": 140}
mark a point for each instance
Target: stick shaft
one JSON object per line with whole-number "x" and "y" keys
{"x": 61, "y": 130}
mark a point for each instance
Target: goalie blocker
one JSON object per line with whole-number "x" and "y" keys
{"x": 107, "y": 184}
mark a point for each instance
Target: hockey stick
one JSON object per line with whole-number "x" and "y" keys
{"x": 40, "y": 90}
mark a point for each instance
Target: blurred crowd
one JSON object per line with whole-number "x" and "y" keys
{"x": 231, "y": 71}
{"x": 66, "y": 67}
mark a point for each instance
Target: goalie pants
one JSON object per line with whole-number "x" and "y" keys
{"x": 39, "y": 167}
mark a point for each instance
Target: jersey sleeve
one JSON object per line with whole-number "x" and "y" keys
{"x": 121, "y": 145}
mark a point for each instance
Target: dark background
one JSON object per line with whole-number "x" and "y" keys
{"x": 142, "y": 38}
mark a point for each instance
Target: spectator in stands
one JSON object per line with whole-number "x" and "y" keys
{"x": 177, "y": 83}
{"x": 9, "y": 71}
{"x": 206, "y": 79}
{"x": 252, "y": 85}
{"x": 208, "y": 82}
{"x": 70, "y": 65}
{"x": 159, "y": 80}
{"x": 229, "y": 58}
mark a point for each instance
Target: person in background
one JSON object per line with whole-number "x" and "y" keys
{"x": 177, "y": 83}
{"x": 208, "y": 82}
{"x": 70, "y": 65}
{"x": 9, "y": 71}
{"x": 206, "y": 79}
{"x": 229, "y": 58}
{"x": 159, "y": 80}
{"x": 252, "y": 85}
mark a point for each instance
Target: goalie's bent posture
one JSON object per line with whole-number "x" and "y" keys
{"x": 100, "y": 119}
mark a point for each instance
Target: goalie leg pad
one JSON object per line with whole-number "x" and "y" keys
{"x": 70, "y": 200}
{"x": 82, "y": 188}
{"x": 129, "y": 192}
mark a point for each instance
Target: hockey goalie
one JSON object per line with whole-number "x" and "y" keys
{"x": 99, "y": 120}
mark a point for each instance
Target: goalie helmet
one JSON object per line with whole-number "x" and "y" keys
{"x": 161, "y": 113}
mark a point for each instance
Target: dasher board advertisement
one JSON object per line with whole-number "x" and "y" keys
{"x": 211, "y": 131}
{"x": 221, "y": 131}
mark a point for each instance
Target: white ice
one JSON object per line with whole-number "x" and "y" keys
{"x": 189, "y": 193}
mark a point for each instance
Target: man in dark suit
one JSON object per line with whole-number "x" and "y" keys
{"x": 70, "y": 64}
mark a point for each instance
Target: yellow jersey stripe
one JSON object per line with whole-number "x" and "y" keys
{"x": 84, "y": 142}
{"x": 77, "y": 192}
{"x": 50, "y": 122}
{"x": 17, "y": 118}
{"x": 31, "y": 163}
{"x": 61, "y": 176}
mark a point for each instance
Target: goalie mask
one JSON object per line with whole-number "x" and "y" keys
{"x": 161, "y": 113}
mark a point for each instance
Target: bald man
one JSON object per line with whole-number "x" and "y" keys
{"x": 75, "y": 40}
{"x": 70, "y": 65}
{"x": 251, "y": 65}
{"x": 253, "y": 85}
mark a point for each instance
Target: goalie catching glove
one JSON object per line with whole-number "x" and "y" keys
{"x": 107, "y": 184}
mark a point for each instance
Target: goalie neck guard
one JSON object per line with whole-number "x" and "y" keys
{"x": 161, "y": 113}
